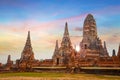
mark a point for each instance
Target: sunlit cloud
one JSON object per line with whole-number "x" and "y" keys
{"x": 78, "y": 29}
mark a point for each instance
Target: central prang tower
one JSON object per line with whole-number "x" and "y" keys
{"x": 91, "y": 45}
{"x": 89, "y": 29}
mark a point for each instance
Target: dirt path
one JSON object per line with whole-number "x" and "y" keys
{"x": 43, "y": 78}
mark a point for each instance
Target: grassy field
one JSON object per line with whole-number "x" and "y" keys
{"x": 54, "y": 76}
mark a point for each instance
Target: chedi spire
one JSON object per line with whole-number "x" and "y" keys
{"x": 27, "y": 51}
{"x": 66, "y": 39}
{"x": 9, "y": 59}
{"x": 56, "y": 47}
{"x": 28, "y": 42}
{"x": 56, "y": 51}
{"x": 66, "y": 33}
{"x": 118, "y": 52}
{"x": 105, "y": 50}
{"x": 9, "y": 63}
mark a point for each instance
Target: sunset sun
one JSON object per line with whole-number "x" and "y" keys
{"x": 77, "y": 48}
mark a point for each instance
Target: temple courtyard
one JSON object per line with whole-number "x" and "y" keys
{"x": 55, "y": 76}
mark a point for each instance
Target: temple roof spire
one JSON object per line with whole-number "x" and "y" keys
{"x": 28, "y": 41}
{"x": 66, "y": 30}
{"x": 105, "y": 49}
{"x": 104, "y": 45}
{"x": 56, "y": 48}
{"x": 27, "y": 51}
{"x": 66, "y": 38}
{"x": 9, "y": 59}
{"x": 118, "y": 51}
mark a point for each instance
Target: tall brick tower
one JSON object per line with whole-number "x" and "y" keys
{"x": 91, "y": 45}
{"x": 66, "y": 42}
{"x": 27, "y": 56}
{"x": 56, "y": 55}
{"x": 56, "y": 51}
{"x": 62, "y": 54}
{"x": 27, "y": 52}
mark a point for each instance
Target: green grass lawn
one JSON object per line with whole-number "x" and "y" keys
{"x": 58, "y": 75}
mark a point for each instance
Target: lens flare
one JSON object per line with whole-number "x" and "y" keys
{"x": 77, "y": 48}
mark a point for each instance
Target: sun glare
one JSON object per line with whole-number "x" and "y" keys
{"x": 77, "y": 48}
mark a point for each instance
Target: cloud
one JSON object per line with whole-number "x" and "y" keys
{"x": 111, "y": 38}
{"x": 78, "y": 29}
{"x": 115, "y": 38}
{"x": 35, "y": 25}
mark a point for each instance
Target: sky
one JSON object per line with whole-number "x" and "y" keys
{"x": 45, "y": 19}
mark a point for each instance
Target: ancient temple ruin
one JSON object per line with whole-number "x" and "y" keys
{"x": 91, "y": 45}
{"x": 27, "y": 60}
{"x": 92, "y": 51}
{"x": 9, "y": 63}
{"x": 62, "y": 55}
